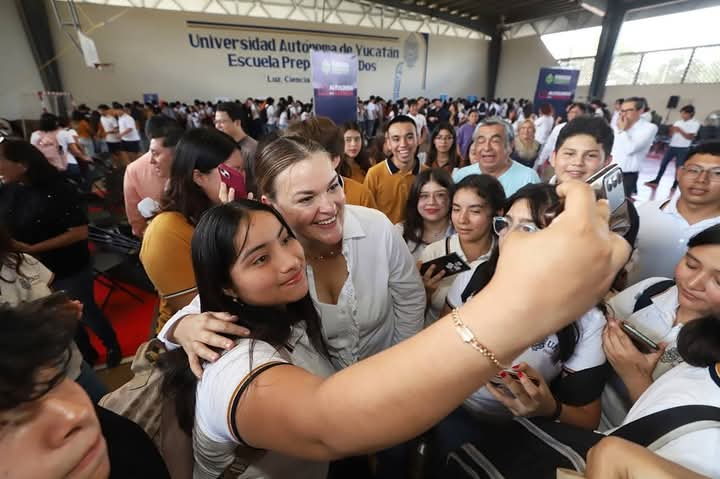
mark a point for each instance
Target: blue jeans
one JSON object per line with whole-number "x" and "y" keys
{"x": 80, "y": 286}
{"x": 680, "y": 155}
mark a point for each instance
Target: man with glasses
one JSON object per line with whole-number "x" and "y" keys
{"x": 666, "y": 226}
{"x": 493, "y": 140}
{"x": 633, "y": 138}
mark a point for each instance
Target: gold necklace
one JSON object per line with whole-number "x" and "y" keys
{"x": 331, "y": 254}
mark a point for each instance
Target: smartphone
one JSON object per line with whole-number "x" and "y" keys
{"x": 644, "y": 344}
{"x": 496, "y": 380}
{"x": 451, "y": 264}
{"x": 608, "y": 185}
{"x": 233, "y": 179}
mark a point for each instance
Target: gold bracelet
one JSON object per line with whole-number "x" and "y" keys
{"x": 469, "y": 337}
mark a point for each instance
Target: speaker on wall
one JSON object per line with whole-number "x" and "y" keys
{"x": 673, "y": 101}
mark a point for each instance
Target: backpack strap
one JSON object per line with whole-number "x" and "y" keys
{"x": 447, "y": 246}
{"x": 657, "y": 429}
{"x": 645, "y": 298}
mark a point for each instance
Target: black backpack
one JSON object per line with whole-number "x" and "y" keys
{"x": 538, "y": 447}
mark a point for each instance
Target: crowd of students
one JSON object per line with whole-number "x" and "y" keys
{"x": 309, "y": 312}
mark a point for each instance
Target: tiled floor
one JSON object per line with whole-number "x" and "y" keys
{"x": 648, "y": 170}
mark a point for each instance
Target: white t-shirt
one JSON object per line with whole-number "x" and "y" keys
{"x": 372, "y": 111}
{"x": 270, "y": 110}
{"x": 543, "y": 127}
{"x": 125, "y": 122}
{"x": 110, "y": 123}
{"x": 690, "y": 126}
{"x": 283, "y": 120}
{"x": 214, "y": 441}
{"x": 437, "y": 250}
{"x": 64, "y": 139}
{"x": 685, "y": 385}
{"x": 662, "y": 239}
{"x": 420, "y": 122}
{"x": 655, "y": 321}
{"x": 631, "y": 146}
{"x": 588, "y": 354}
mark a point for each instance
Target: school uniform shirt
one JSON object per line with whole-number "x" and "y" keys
{"x": 110, "y": 123}
{"x": 436, "y": 250}
{"x": 382, "y": 301}
{"x": 215, "y": 437}
{"x": 691, "y": 126}
{"x": 420, "y": 123}
{"x": 662, "y": 239}
{"x": 631, "y": 146}
{"x": 512, "y": 180}
{"x": 357, "y": 194}
{"x": 685, "y": 385}
{"x": 271, "y": 118}
{"x": 588, "y": 360}
{"x": 543, "y": 127}
{"x": 416, "y": 249}
{"x": 549, "y": 146}
{"x": 64, "y": 139}
{"x": 126, "y": 121}
{"x": 165, "y": 255}
{"x": 657, "y": 322}
{"x": 390, "y": 188}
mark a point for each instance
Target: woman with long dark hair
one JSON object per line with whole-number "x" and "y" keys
{"x": 660, "y": 308}
{"x": 427, "y": 217}
{"x": 46, "y": 218}
{"x": 443, "y": 149}
{"x": 561, "y": 376}
{"x": 475, "y": 201}
{"x": 193, "y": 187}
{"x": 271, "y": 404}
{"x": 355, "y": 159}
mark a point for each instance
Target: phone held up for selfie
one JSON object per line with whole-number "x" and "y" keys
{"x": 608, "y": 185}
{"x": 452, "y": 264}
{"x": 233, "y": 179}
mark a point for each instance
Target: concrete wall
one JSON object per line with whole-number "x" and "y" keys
{"x": 151, "y": 53}
{"x": 19, "y": 78}
{"x": 520, "y": 62}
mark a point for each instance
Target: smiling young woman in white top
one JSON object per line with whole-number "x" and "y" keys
{"x": 659, "y": 315}
{"x": 476, "y": 200}
{"x": 272, "y": 392}
{"x": 362, "y": 277}
{"x": 427, "y": 215}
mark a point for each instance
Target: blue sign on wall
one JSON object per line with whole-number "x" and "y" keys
{"x": 556, "y": 86}
{"x": 334, "y": 80}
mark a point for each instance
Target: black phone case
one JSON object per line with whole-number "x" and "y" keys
{"x": 452, "y": 264}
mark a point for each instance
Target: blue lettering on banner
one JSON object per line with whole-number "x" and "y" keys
{"x": 255, "y": 52}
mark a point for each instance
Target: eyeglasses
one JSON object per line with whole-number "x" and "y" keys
{"x": 694, "y": 171}
{"x": 504, "y": 224}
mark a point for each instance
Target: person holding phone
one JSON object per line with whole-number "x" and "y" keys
{"x": 658, "y": 309}
{"x": 277, "y": 393}
{"x": 475, "y": 201}
{"x": 427, "y": 216}
{"x": 560, "y": 376}
{"x": 194, "y": 185}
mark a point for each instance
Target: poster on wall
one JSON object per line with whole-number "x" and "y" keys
{"x": 334, "y": 81}
{"x": 556, "y": 86}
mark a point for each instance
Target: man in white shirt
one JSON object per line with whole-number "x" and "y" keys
{"x": 574, "y": 110}
{"x": 666, "y": 226}
{"x": 616, "y": 112}
{"x": 112, "y": 138}
{"x": 420, "y": 122}
{"x": 371, "y": 110}
{"x": 129, "y": 133}
{"x": 493, "y": 140}
{"x": 683, "y": 133}
{"x": 633, "y": 138}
